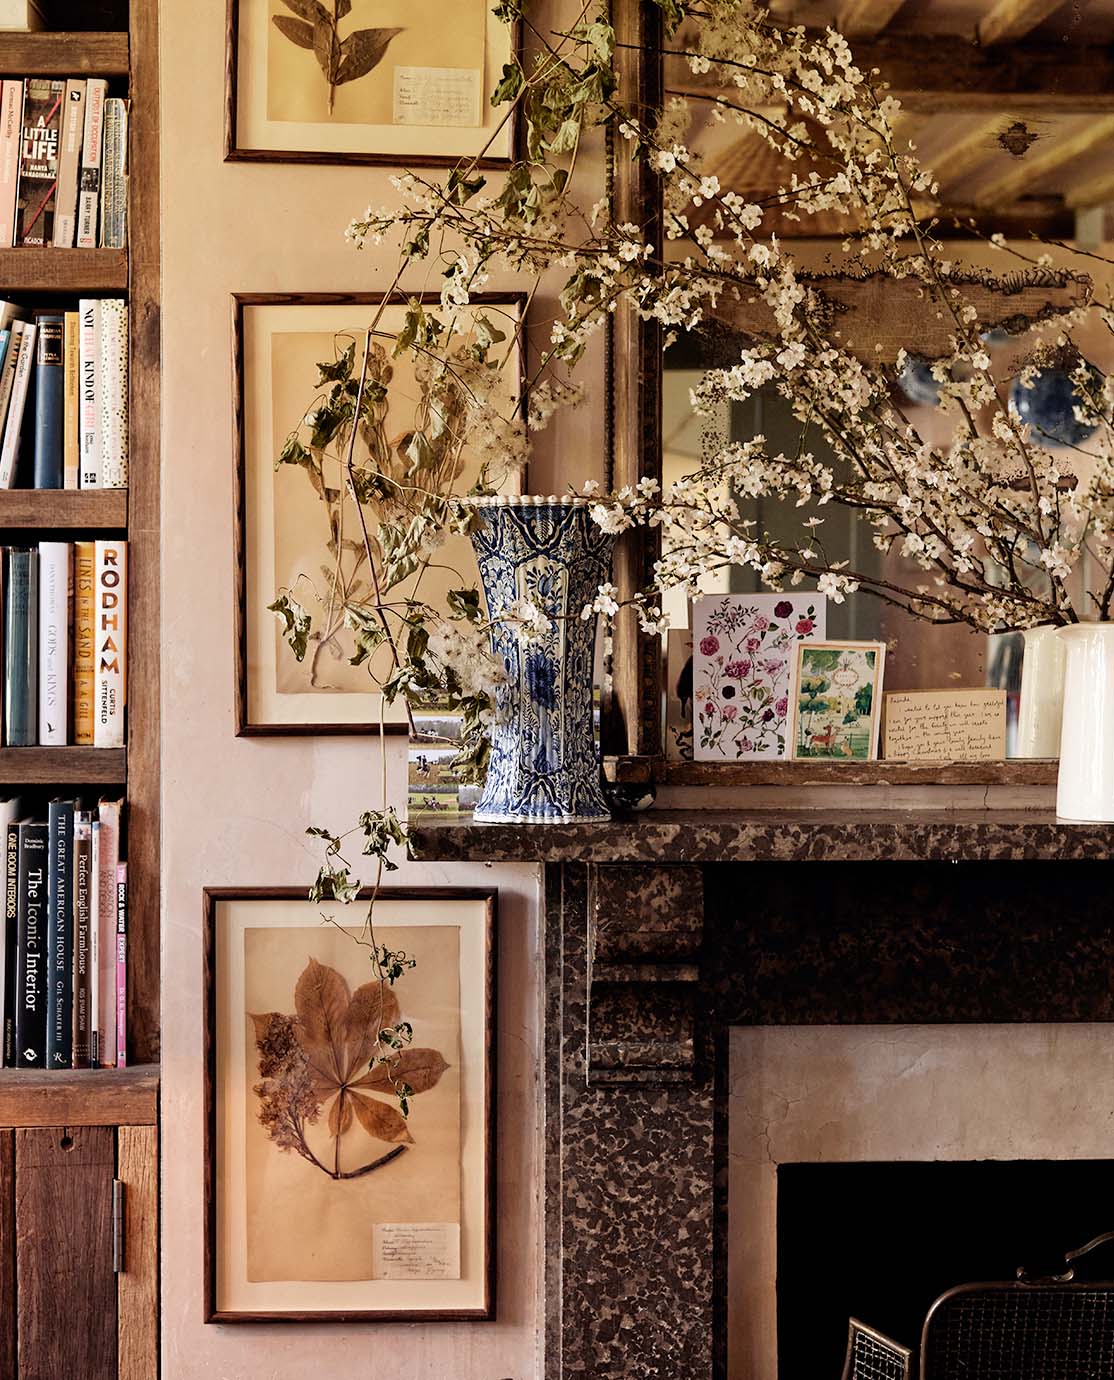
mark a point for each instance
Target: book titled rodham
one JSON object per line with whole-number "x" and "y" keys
{"x": 110, "y": 686}
{"x": 38, "y": 159}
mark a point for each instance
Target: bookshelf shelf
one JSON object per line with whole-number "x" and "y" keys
{"x": 79, "y": 1097}
{"x": 64, "y": 510}
{"x": 63, "y": 766}
{"x": 73, "y": 271}
{"x": 64, "y": 54}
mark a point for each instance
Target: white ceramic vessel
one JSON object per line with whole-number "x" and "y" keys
{"x": 1085, "y": 789}
{"x": 1042, "y": 693}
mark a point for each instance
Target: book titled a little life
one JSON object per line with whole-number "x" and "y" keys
{"x": 38, "y": 161}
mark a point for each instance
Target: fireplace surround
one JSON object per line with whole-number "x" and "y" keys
{"x": 665, "y": 935}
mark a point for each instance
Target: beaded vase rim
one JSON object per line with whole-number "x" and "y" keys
{"x": 527, "y": 501}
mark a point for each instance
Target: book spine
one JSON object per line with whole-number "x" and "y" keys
{"x": 89, "y": 309}
{"x": 108, "y": 859}
{"x": 7, "y": 374}
{"x": 94, "y": 943}
{"x": 84, "y": 631}
{"x": 59, "y": 1028}
{"x": 31, "y": 956}
{"x": 9, "y": 453}
{"x": 113, "y": 370}
{"x": 114, "y": 173}
{"x": 83, "y": 893}
{"x": 11, "y": 130}
{"x": 55, "y": 591}
{"x": 38, "y": 160}
{"x": 71, "y": 400}
{"x": 11, "y": 932}
{"x": 92, "y": 146}
{"x": 69, "y": 164}
{"x": 21, "y": 654}
{"x": 110, "y": 691}
{"x": 121, "y": 965}
{"x": 49, "y": 390}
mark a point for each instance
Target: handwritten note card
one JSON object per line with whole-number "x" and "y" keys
{"x": 415, "y": 1250}
{"x": 441, "y": 97}
{"x": 945, "y": 725}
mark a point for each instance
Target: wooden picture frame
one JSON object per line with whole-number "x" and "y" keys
{"x": 245, "y": 1278}
{"x": 256, "y": 132}
{"x": 269, "y": 699}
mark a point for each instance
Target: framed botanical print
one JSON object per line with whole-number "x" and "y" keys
{"x": 403, "y": 82}
{"x": 348, "y": 1178}
{"x": 300, "y": 535}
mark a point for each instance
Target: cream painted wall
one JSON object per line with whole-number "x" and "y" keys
{"x": 234, "y": 809}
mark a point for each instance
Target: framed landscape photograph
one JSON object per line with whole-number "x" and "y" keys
{"x": 403, "y": 82}
{"x": 324, "y": 1201}
{"x": 298, "y": 530}
{"x": 837, "y": 694}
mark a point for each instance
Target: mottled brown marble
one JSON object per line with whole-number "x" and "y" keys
{"x": 712, "y": 836}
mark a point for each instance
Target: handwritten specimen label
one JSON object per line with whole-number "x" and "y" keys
{"x": 945, "y": 725}
{"x": 415, "y": 1250}
{"x": 442, "y": 97}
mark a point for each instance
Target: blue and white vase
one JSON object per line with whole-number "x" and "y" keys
{"x": 544, "y": 766}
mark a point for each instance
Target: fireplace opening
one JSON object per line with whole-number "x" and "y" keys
{"x": 882, "y": 1241}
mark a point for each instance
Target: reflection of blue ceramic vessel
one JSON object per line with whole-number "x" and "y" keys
{"x": 917, "y": 383}
{"x": 1049, "y": 408}
{"x": 544, "y": 768}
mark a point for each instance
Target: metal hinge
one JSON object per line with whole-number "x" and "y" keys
{"x": 118, "y": 1195}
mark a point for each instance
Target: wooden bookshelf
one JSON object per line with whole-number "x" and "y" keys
{"x": 46, "y": 270}
{"x": 79, "y": 1097}
{"x": 64, "y": 54}
{"x": 64, "y": 510}
{"x": 63, "y": 766}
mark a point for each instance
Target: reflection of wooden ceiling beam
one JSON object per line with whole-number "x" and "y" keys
{"x": 934, "y": 73}
{"x": 864, "y": 18}
{"x": 1056, "y": 153}
{"x": 1010, "y": 20}
{"x": 965, "y": 154}
{"x": 1095, "y": 191}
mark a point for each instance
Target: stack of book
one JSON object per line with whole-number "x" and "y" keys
{"x": 63, "y": 164}
{"x": 63, "y": 962}
{"x": 65, "y": 636}
{"x": 64, "y": 396}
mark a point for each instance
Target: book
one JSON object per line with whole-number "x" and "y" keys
{"x": 38, "y": 159}
{"x": 11, "y": 132}
{"x": 11, "y": 926}
{"x": 49, "y": 389}
{"x": 10, "y": 810}
{"x": 107, "y": 831}
{"x": 110, "y": 690}
{"x": 11, "y": 311}
{"x": 21, "y": 15}
{"x": 69, "y": 164}
{"x": 84, "y": 656}
{"x": 55, "y": 591}
{"x": 94, "y": 942}
{"x": 82, "y": 903}
{"x": 13, "y": 426}
{"x": 59, "y": 946}
{"x": 21, "y": 647}
{"x": 113, "y": 393}
{"x": 31, "y": 959}
{"x": 92, "y": 147}
{"x": 7, "y": 374}
{"x": 114, "y": 174}
{"x": 121, "y": 965}
{"x": 71, "y": 400}
{"x": 89, "y": 310}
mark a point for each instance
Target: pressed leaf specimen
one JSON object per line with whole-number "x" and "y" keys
{"x": 314, "y": 27}
{"x": 334, "y": 1055}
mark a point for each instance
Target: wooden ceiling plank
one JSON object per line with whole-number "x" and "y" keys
{"x": 865, "y": 18}
{"x": 965, "y": 154}
{"x": 1010, "y": 20}
{"x": 1057, "y": 153}
{"x": 1093, "y": 191}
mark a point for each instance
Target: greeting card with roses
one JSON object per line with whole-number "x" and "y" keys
{"x": 742, "y": 662}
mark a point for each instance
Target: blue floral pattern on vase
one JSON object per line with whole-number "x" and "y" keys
{"x": 544, "y": 767}
{"x": 1049, "y": 408}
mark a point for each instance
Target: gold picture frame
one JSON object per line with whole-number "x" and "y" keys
{"x": 325, "y": 1203}
{"x": 836, "y": 701}
{"x": 397, "y": 82}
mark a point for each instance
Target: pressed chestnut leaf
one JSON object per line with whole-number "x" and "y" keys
{"x": 420, "y": 1068}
